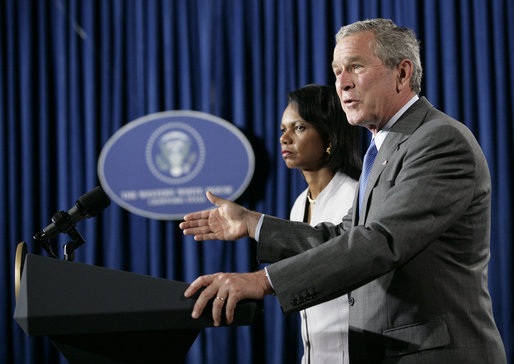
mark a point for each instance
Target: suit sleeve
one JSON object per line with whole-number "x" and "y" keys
{"x": 418, "y": 197}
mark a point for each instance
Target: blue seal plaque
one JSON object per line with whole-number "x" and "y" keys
{"x": 160, "y": 165}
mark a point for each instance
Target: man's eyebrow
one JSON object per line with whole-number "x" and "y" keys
{"x": 347, "y": 60}
{"x": 352, "y": 59}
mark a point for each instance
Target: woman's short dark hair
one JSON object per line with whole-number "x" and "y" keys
{"x": 320, "y": 106}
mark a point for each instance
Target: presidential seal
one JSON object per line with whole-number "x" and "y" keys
{"x": 175, "y": 153}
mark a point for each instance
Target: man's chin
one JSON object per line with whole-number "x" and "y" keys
{"x": 355, "y": 121}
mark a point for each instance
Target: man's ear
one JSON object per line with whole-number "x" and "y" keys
{"x": 404, "y": 75}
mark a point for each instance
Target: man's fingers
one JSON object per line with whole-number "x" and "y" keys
{"x": 195, "y": 230}
{"x": 199, "y": 215}
{"x": 215, "y": 200}
{"x": 219, "y": 301}
{"x": 225, "y": 290}
{"x": 199, "y": 306}
{"x": 217, "y": 307}
{"x": 212, "y": 290}
{"x": 230, "y": 308}
{"x": 202, "y": 237}
{"x": 204, "y": 298}
{"x": 197, "y": 284}
{"x": 193, "y": 223}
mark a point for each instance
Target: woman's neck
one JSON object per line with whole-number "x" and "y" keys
{"x": 317, "y": 180}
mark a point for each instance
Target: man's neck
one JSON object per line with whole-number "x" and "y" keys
{"x": 405, "y": 106}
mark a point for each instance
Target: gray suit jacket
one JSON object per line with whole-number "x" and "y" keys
{"x": 414, "y": 262}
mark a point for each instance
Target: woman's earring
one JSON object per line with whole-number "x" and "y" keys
{"x": 328, "y": 150}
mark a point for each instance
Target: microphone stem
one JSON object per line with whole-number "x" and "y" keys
{"x": 69, "y": 248}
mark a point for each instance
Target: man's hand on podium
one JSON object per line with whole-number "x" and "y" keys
{"x": 227, "y": 289}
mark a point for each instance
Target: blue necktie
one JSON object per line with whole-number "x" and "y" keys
{"x": 369, "y": 158}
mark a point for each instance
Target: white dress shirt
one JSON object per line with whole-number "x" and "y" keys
{"x": 325, "y": 326}
{"x": 382, "y": 133}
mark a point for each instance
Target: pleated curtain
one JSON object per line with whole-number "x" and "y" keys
{"x": 72, "y": 72}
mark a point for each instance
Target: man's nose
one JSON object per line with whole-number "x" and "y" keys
{"x": 344, "y": 81}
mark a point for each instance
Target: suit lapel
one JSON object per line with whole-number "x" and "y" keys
{"x": 400, "y": 132}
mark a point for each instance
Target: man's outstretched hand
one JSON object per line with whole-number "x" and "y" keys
{"x": 229, "y": 221}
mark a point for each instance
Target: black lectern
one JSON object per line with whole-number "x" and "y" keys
{"x": 100, "y": 315}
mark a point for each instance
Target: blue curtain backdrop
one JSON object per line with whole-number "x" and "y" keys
{"x": 72, "y": 72}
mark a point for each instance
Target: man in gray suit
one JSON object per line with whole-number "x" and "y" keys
{"x": 413, "y": 254}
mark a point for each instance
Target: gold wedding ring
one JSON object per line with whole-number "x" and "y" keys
{"x": 220, "y": 298}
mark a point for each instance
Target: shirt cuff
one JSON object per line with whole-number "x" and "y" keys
{"x": 269, "y": 279}
{"x": 258, "y": 230}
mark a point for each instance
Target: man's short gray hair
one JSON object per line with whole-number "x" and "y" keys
{"x": 393, "y": 44}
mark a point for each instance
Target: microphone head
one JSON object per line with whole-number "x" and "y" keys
{"x": 93, "y": 202}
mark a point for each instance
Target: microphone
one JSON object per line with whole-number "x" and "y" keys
{"x": 88, "y": 205}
